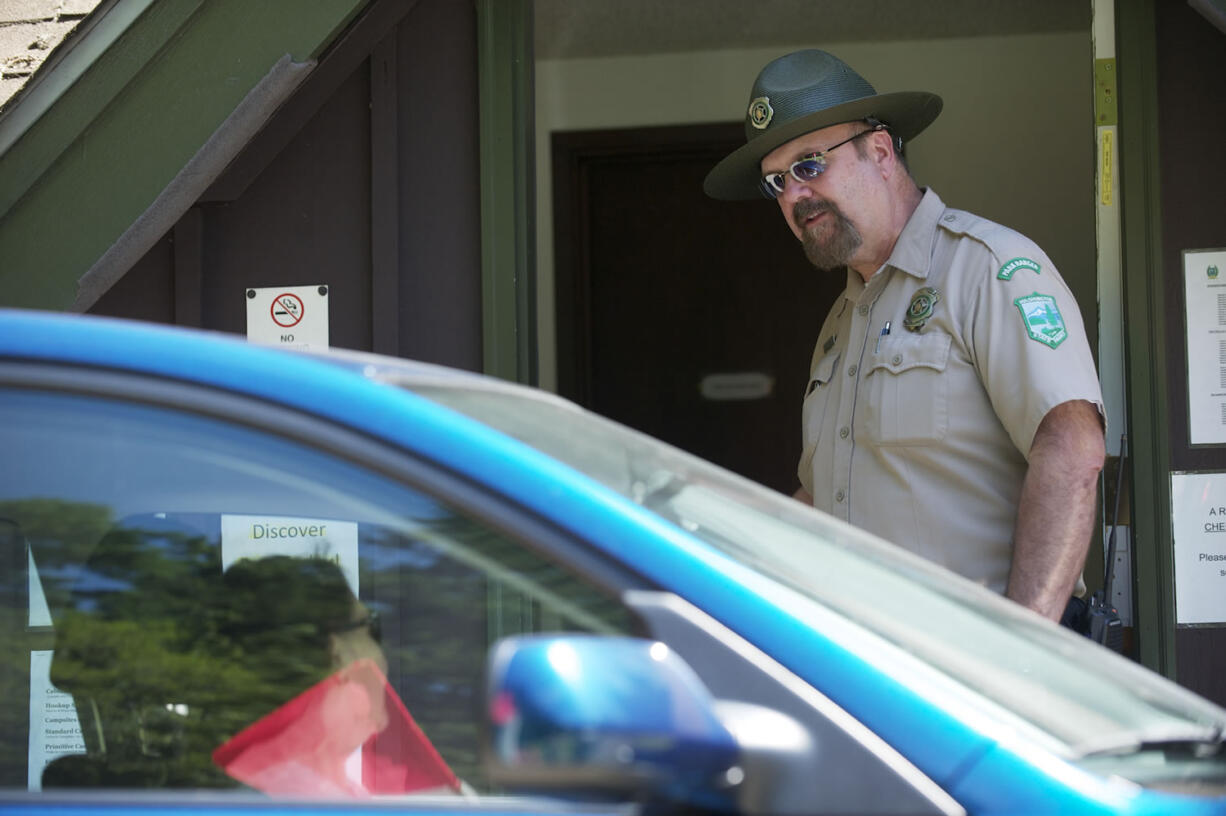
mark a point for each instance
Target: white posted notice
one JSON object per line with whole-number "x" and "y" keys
{"x": 293, "y": 317}
{"x": 1198, "y": 515}
{"x": 1205, "y": 303}
{"x": 55, "y": 730}
{"x": 261, "y": 536}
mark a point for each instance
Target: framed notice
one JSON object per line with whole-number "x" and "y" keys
{"x": 1204, "y": 275}
{"x": 1198, "y": 518}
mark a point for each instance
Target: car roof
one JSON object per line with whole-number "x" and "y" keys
{"x": 415, "y": 374}
{"x": 326, "y": 384}
{"x": 141, "y": 346}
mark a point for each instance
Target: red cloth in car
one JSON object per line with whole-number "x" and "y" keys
{"x": 307, "y": 746}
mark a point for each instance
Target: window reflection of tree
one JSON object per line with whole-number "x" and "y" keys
{"x": 171, "y": 657}
{"x": 61, "y": 535}
{"x": 14, "y": 652}
{"x": 167, "y": 658}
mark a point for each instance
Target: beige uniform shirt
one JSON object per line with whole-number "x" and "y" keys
{"x": 928, "y": 383}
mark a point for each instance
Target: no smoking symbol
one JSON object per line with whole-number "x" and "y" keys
{"x": 287, "y": 310}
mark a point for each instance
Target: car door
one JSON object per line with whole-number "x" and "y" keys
{"x": 194, "y": 581}
{"x": 216, "y": 584}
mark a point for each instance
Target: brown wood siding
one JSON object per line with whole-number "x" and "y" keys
{"x": 366, "y": 181}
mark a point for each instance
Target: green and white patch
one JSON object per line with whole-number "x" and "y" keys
{"x": 1042, "y": 319}
{"x": 1006, "y": 271}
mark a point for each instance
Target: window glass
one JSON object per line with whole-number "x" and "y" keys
{"x": 187, "y": 603}
{"x": 1025, "y": 672}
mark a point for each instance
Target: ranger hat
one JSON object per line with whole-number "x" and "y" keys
{"x": 806, "y": 91}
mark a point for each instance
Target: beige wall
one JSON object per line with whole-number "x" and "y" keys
{"x": 1014, "y": 143}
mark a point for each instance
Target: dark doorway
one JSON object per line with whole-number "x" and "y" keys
{"x": 690, "y": 319}
{"x": 1191, "y": 61}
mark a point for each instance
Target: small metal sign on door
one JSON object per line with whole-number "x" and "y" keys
{"x": 288, "y": 316}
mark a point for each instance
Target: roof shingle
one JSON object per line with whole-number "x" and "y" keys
{"x": 29, "y": 31}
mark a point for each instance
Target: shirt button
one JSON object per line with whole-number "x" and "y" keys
{"x": 897, "y": 359}
{"x": 864, "y": 310}
{"x": 951, "y": 217}
{"x": 851, "y": 372}
{"x": 844, "y": 431}
{"x": 838, "y": 497}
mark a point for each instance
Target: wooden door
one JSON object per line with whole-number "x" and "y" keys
{"x": 674, "y": 310}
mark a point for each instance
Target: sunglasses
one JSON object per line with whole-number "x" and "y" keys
{"x": 808, "y": 168}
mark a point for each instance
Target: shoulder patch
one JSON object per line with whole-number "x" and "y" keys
{"x": 1006, "y": 271}
{"x": 1042, "y": 319}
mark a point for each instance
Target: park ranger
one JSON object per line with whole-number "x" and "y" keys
{"x": 952, "y": 406}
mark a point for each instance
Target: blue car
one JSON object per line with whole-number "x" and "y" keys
{"x": 245, "y": 580}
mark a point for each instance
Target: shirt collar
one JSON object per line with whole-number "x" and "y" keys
{"x": 855, "y": 284}
{"x": 913, "y": 250}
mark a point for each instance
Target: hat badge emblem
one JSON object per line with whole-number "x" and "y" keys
{"x": 761, "y": 112}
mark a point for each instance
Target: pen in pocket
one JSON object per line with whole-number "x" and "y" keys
{"x": 884, "y": 331}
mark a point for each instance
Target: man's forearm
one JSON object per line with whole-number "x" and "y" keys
{"x": 1055, "y": 517}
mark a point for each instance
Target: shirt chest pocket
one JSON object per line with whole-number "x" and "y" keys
{"x": 907, "y": 390}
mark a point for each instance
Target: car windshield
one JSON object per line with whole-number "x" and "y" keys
{"x": 1089, "y": 701}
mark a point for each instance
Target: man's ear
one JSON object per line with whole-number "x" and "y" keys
{"x": 884, "y": 152}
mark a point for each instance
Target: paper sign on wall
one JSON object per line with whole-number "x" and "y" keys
{"x": 1198, "y": 515}
{"x": 55, "y": 729}
{"x": 261, "y": 536}
{"x": 1205, "y": 305}
{"x": 288, "y": 316}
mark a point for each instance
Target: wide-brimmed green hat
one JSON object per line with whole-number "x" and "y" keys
{"x": 806, "y": 91}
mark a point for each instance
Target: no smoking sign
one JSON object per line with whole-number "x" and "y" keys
{"x": 288, "y": 316}
{"x": 287, "y": 310}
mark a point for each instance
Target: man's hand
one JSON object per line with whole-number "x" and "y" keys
{"x": 1055, "y": 515}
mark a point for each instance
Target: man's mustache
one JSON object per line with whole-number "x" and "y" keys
{"x": 805, "y": 208}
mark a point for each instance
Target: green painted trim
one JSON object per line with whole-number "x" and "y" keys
{"x": 1144, "y": 322}
{"x": 508, "y": 243}
{"x": 112, "y": 143}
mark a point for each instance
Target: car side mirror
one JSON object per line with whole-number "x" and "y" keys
{"x": 615, "y": 717}
{"x": 591, "y": 715}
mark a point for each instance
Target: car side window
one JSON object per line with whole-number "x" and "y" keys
{"x": 193, "y": 603}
